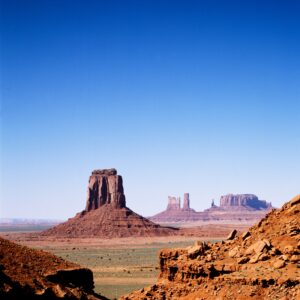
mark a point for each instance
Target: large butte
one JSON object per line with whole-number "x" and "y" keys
{"x": 106, "y": 214}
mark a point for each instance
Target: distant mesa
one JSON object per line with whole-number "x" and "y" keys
{"x": 247, "y": 201}
{"x": 106, "y": 214}
{"x": 241, "y": 207}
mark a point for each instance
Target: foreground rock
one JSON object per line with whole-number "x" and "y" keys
{"x": 106, "y": 214}
{"x": 32, "y": 274}
{"x": 262, "y": 263}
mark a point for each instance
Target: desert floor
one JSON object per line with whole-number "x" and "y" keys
{"x": 119, "y": 265}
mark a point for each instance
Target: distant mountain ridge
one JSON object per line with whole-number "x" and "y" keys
{"x": 25, "y": 221}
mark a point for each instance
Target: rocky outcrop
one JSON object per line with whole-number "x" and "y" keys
{"x": 248, "y": 201}
{"x": 105, "y": 187}
{"x": 261, "y": 263}
{"x": 33, "y": 274}
{"x": 106, "y": 214}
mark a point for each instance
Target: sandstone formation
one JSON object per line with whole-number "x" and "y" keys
{"x": 105, "y": 187}
{"x": 261, "y": 263}
{"x": 243, "y": 201}
{"x": 174, "y": 212}
{"x": 174, "y": 203}
{"x": 233, "y": 208}
{"x": 34, "y": 274}
{"x": 106, "y": 214}
{"x": 186, "y": 201}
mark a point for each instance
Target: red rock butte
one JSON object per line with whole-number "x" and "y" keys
{"x": 106, "y": 214}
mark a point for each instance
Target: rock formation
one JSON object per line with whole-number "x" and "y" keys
{"x": 247, "y": 201}
{"x": 186, "y": 201}
{"x": 261, "y": 263}
{"x": 34, "y": 274}
{"x": 106, "y": 214}
{"x": 174, "y": 211}
{"x": 233, "y": 208}
{"x": 174, "y": 203}
{"x": 105, "y": 187}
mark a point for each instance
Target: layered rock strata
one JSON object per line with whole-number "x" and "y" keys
{"x": 261, "y": 263}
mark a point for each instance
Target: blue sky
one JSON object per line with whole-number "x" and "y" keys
{"x": 180, "y": 96}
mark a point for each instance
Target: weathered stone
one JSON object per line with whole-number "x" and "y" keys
{"x": 295, "y": 258}
{"x": 289, "y": 249}
{"x": 107, "y": 172}
{"x": 295, "y": 200}
{"x": 232, "y": 234}
{"x": 229, "y": 268}
{"x": 243, "y": 260}
{"x": 197, "y": 249}
{"x": 279, "y": 264}
{"x": 105, "y": 187}
{"x": 233, "y": 252}
{"x": 285, "y": 257}
{"x": 259, "y": 257}
{"x": 274, "y": 251}
{"x": 258, "y": 247}
{"x": 245, "y": 235}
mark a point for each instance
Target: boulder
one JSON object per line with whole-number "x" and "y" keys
{"x": 232, "y": 234}
{"x": 257, "y": 247}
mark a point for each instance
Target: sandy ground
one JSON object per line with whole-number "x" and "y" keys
{"x": 207, "y": 231}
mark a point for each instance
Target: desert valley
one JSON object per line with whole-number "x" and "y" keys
{"x": 149, "y": 150}
{"x": 242, "y": 249}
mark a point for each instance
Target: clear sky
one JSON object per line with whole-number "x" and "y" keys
{"x": 180, "y": 96}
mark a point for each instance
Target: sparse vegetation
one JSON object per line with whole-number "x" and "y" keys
{"x": 118, "y": 271}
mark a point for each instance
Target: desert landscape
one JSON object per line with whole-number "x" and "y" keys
{"x": 149, "y": 150}
{"x": 107, "y": 251}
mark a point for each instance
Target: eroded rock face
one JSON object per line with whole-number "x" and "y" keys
{"x": 105, "y": 187}
{"x": 262, "y": 263}
{"x": 243, "y": 200}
